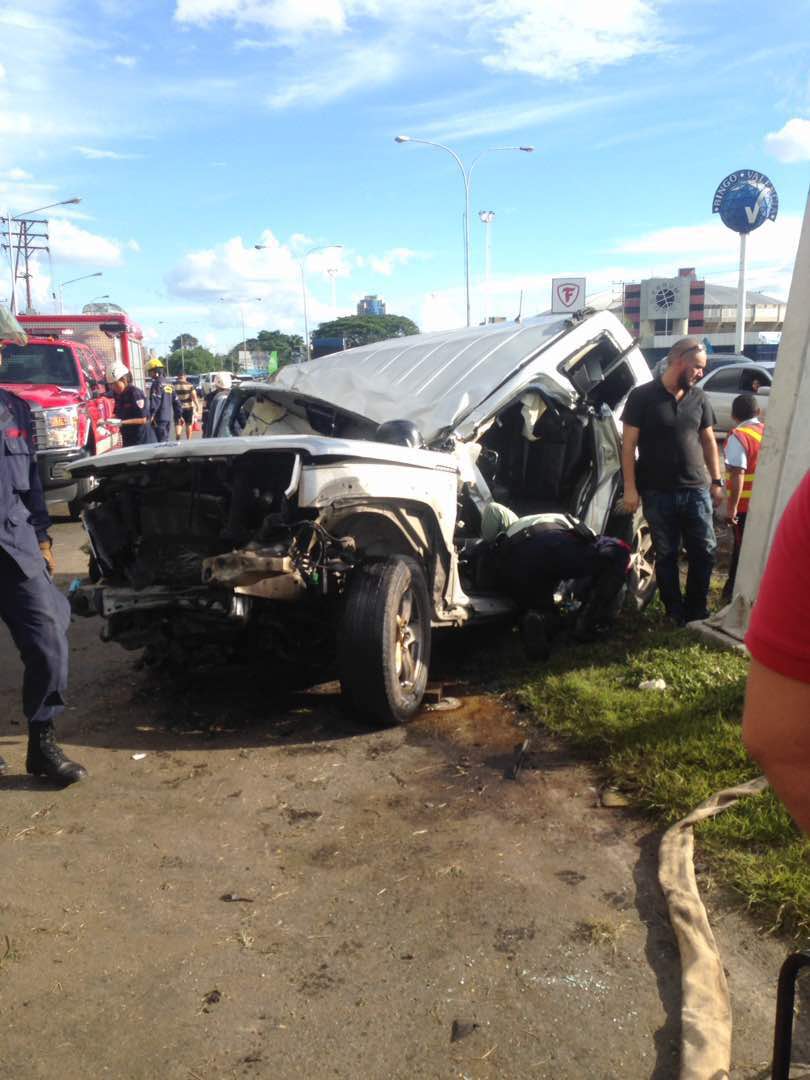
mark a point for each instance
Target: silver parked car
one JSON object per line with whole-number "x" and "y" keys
{"x": 723, "y": 384}
{"x": 308, "y": 532}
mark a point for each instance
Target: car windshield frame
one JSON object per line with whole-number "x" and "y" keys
{"x": 12, "y": 373}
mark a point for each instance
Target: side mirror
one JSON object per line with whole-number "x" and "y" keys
{"x": 766, "y": 390}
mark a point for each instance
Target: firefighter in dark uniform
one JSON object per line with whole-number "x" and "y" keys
{"x": 164, "y": 408}
{"x": 131, "y": 410}
{"x": 31, "y": 606}
{"x": 532, "y": 555}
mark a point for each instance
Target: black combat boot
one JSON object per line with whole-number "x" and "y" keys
{"x": 46, "y": 758}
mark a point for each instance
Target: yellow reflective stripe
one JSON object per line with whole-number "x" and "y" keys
{"x": 755, "y": 433}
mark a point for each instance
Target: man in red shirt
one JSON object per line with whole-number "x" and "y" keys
{"x": 776, "y": 721}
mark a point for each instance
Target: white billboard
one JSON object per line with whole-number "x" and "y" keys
{"x": 567, "y": 294}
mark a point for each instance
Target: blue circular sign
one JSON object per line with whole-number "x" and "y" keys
{"x": 745, "y": 200}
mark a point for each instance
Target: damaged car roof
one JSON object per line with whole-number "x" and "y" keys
{"x": 430, "y": 379}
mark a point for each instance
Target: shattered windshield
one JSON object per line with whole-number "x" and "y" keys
{"x": 40, "y": 365}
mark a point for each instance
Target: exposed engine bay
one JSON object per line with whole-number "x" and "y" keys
{"x": 186, "y": 548}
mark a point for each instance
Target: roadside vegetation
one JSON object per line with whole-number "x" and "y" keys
{"x": 668, "y": 750}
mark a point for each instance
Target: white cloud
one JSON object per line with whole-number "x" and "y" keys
{"x": 353, "y": 69}
{"x": 133, "y": 245}
{"x": 2, "y": 73}
{"x": 792, "y": 142}
{"x": 385, "y": 264}
{"x": 285, "y": 17}
{"x": 713, "y": 245}
{"x": 71, "y": 244}
{"x": 515, "y": 116}
{"x": 16, "y": 174}
{"x": 562, "y": 39}
{"x": 12, "y": 123}
{"x": 126, "y": 61}
{"x": 337, "y": 46}
{"x": 93, "y": 154}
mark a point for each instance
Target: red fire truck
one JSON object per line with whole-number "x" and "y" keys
{"x": 62, "y": 372}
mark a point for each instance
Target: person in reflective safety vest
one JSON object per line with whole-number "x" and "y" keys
{"x": 741, "y": 455}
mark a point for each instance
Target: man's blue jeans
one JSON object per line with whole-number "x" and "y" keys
{"x": 683, "y": 516}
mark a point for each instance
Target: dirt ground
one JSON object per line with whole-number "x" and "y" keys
{"x": 255, "y": 888}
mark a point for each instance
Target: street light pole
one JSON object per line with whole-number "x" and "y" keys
{"x": 466, "y": 174}
{"x": 487, "y": 216}
{"x": 72, "y": 281}
{"x": 301, "y": 264}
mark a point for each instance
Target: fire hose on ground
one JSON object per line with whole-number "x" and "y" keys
{"x": 705, "y": 1000}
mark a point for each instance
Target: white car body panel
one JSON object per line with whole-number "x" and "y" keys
{"x": 453, "y": 380}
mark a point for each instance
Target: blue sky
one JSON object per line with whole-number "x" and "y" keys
{"x": 193, "y": 131}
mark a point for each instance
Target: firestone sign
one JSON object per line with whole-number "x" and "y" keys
{"x": 567, "y": 294}
{"x": 745, "y": 200}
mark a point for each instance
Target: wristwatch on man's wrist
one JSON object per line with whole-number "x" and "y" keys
{"x": 718, "y": 483}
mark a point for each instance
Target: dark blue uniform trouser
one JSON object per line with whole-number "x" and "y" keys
{"x": 38, "y": 616}
{"x": 162, "y": 429}
{"x": 531, "y": 568}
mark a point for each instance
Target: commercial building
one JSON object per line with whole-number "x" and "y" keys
{"x": 661, "y": 310}
{"x": 371, "y": 305}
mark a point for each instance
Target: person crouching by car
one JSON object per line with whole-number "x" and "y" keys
{"x": 532, "y": 555}
{"x": 130, "y": 408}
{"x": 741, "y": 457}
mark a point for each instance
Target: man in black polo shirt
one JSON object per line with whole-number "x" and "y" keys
{"x": 669, "y": 421}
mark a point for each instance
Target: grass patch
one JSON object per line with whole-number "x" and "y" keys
{"x": 669, "y": 750}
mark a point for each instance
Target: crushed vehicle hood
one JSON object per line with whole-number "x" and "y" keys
{"x": 435, "y": 380}
{"x": 312, "y": 447}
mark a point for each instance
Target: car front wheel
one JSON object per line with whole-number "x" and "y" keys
{"x": 384, "y": 640}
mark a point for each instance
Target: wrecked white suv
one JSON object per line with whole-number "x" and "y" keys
{"x": 295, "y": 537}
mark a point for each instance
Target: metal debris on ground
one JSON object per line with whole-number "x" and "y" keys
{"x": 521, "y": 752}
{"x": 652, "y": 684}
{"x": 461, "y": 1029}
{"x": 445, "y": 704}
{"x": 611, "y": 798}
{"x": 235, "y": 898}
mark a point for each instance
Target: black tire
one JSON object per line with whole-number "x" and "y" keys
{"x": 83, "y": 487}
{"x": 384, "y": 640}
{"x": 634, "y": 530}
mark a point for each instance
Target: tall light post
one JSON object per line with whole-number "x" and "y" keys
{"x": 302, "y": 267}
{"x": 227, "y": 300}
{"x": 487, "y": 216}
{"x": 72, "y": 281}
{"x": 12, "y": 261}
{"x": 466, "y": 173}
{"x": 333, "y": 273}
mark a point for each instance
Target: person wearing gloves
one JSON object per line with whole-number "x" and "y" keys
{"x": 130, "y": 414}
{"x": 34, "y": 610}
{"x": 163, "y": 404}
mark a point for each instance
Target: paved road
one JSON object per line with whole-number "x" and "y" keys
{"x": 249, "y": 887}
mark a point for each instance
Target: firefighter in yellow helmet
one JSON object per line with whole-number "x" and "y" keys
{"x": 163, "y": 404}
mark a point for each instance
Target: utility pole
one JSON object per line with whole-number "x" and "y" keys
{"x": 30, "y": 235}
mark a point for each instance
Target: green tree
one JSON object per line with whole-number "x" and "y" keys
{"x": 288, "y": 346}
{"x": 198, "y": 359}
{"x": 363, "y": 329}
{"x": 184, "y": 341}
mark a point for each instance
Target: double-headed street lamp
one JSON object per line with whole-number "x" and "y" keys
{"x": 302, "y": 267}
{"x": 72, "y": 281}
{"x": 466, "y": 174}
